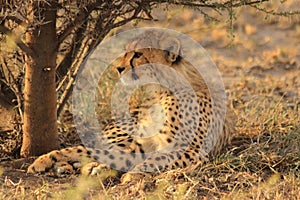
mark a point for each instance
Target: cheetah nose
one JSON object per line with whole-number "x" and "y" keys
{"x": 120, "y": 69}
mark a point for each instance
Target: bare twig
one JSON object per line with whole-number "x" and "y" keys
{"x": 12, "y": 18}
{"x": 78, "y": 21}
{"x": 12, "y": 83}
{"x": 72, "y": 76}
{"x": 18, "y": 42}
{"x": 272, "y": 12}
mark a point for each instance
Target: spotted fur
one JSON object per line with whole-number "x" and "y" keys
{"x": 170, "y": 129}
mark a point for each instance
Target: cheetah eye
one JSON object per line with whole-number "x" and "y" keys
{"x": 137, "y": 54}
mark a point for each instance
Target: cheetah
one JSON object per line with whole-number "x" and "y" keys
{"x": 172, "y": 128}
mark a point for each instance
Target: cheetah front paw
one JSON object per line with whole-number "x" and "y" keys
{"x": 98, "y": 169}
{"x": 58, "y": 169}
{"x": 93, "y": 168}
{"x": 53, "y": 165}
{"x": 40, "y": 165}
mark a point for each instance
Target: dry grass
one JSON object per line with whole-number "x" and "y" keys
{"x": 262, "y": 74}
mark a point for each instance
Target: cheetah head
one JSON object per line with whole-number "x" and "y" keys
{"x": 153, "y": 55}
{"x": 144, "y": 52}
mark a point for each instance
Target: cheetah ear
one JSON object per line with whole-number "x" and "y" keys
{"x": 172, "y": 48}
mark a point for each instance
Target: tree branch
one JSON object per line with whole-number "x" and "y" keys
{"x": 18, "y": 41}
{"x": 12, "y": 18}
{"x": 79, "y": 20}
{"x": 272, "y": 12}
{"x": 210, "y": 5}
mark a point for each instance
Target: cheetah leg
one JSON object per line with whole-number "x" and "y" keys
{"x": 65, "y": 162}
{"x": 176, "y": 159}
{"x": 68, "y": 160}
{"x": 163, "y": 161}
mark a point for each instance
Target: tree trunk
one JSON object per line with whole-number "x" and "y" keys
{"x": 40, "y": 119}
